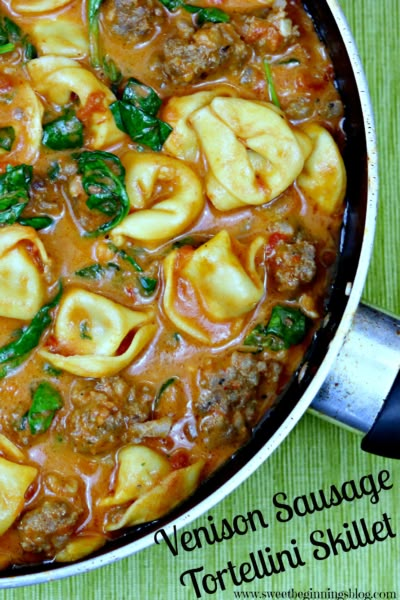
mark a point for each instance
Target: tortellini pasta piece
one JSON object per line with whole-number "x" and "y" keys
{"x": 159, "y": 216}
{"x": 60, "y": 37}
{"x": 162, "y": 498}
{"x": 209, "y": 290}
{"x": 37, "y": 6}
{"x": 24, "y": 114}
{"x": 252, "y": 152}
{"x": 80, "y": 546}
{"x": 183, "y": 142}
{"x": 23, "y": 260}
{"x": 56, "y": 77}
{"x": 9, "y": 449}
{"x": 323, "y": 178}
{"x": 90, "y": 329}
{"x": 139, "y": 469}
{"x": 15, "y": 479}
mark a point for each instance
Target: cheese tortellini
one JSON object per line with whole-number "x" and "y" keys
{"x": 24, "y": 114}
{"x": 21, "y": 273}
{"x": 80, "y": 546}
{"x": 90, "y": 329}
{"x": 252, "y": 152}
{"x": 37, "y": 6}
{"x": 63, "y": 37}
{"x": 225, "y": 285}
{"x": 146, "y": 479}
{"x": 15, "y": 479}
{"x": 57, "y": 77}
{"x": 159, "y": 216}
{"x": 183, "y": 142}
{"x": 323, "y": 178}
{"x": 139, "y": 469}
{"x": 9, "y": 449}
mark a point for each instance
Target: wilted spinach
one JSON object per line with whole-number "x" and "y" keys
{"x": 103, "y": 179}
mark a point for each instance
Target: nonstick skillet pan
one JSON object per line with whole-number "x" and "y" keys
{"x": 321, "y": 381}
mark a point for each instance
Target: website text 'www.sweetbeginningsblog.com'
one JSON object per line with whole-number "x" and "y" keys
{"x": 311, "y": 594}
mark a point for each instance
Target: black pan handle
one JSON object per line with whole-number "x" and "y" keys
{"x": 384, "y": 436}
{"x": 362, "y": 391}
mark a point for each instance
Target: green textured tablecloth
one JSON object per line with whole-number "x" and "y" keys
{"x": 316, "y": 454}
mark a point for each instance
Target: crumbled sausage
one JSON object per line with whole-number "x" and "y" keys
{"x": 292, "y": 264}
{"x": 269, "y": 32}
{"x": 261, "y": 33}
{"x": 232, "y": 386}
{"x": 48, "y": 527}
{"x": 227, "y": 403}
{"x": 134, "y": 18}
{"x": 97, "y": 425}
{"x": 104, "y": 410}
{"x": 212, "y": 46}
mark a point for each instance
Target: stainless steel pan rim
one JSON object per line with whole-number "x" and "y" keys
{"x": 355, "y": 288}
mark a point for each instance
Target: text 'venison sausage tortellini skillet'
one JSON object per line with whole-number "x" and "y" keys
{"x": 222, "y": 284}
{"x": 57, "y": 78}
{"x": 171, "y": 201}
{"x": 90, "y": 329}
{"x": 165, "y": 194}
{"x": 21, "y": 275}
{"x": 24, "y": 116}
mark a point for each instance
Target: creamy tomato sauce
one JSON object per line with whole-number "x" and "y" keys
{"x": 143, "y": 336}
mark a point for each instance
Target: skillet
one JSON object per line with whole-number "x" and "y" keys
{"x": 356, "y": 245}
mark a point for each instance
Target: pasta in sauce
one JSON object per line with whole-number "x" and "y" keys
{"x": 171, "y": 195}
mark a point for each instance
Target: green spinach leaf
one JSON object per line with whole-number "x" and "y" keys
{"x": 54, "y": 171}
{"x": 97, "y": 271}
{"x": 64, "y": 133}
{"x": 36, "y": 222}
{"x": 204, "y": 15}
{"x": 287, "y": 327}
{"x": 7, "y": 137}
{"x": 15, "y": 352}
{"x": 127, "y": 257}
{"x": 111, "y": 71}
{"x": 162, "y": 389}
{"x": 14, "y": 192}
{"x": 142, "y": 96}
{"x": 14, "y": 196}
{"x": 93, "y": 15}
{"x": 270, "y": 83}
{"x": 46, "y": 400}
{"x": 103, "y": 179}
{"x": 7, "y": 48}
{"x": 148, "y": 285}
{"x": 11, "y": 35}
{"x": 135, "y": 114}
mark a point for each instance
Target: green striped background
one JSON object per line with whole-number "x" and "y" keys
{"x": 316, "y": 454}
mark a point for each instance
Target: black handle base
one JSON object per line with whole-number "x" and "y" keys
{"x": 383, "y": 438}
